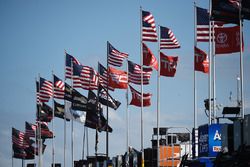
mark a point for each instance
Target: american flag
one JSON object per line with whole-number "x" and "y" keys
{"x": 30, "y": 129}
{"x": 134, "y": 73}
{"x": 19, "y": 138}
{"x": 168, "y": 39}
{"x": 85, "y": 77}
{"x": 103, "y": 76}
{"x": 115, "y": 57}
{"x": 202, "y": 30}
{"x": 148, "y": 27}
{"x": 69, "y": 60}
{"x": 46, "y": 90}
{"x": 59, "y": 88}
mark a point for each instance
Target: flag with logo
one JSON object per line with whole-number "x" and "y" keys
{"x": 201, "y": 62}
{"x": 168, "y": 65}
{"x": 118, "y": 78}
{"x": 106, "y": 99}
{"x": 227, "y": 40}
{"x": 148, "y": 57}
{"x": 136, "y": 98}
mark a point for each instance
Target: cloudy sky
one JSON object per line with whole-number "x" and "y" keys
{"x": 34, "y": 35}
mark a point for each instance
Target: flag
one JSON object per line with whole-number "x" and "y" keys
{"x": 93, "y": 104}
{"x": 228, "y": 10}
{"x": 46, "y": 90}
{"x": 106, "y": 99}
{"x": 168, "y": 65}
{"x": 134, "y": 73}
{"x": 30, "y": 129}
{"x": 103, "y": 76}
{"x": 84, "y": 77}
{"x": 45, "y": 132}
{"x": 148, "y": 27}
{"x": 59, "y": 110}
{"x": 34, "y": 149}
{"x": 19, "y": 138}
{"x": 148, "y": 57}
{"x": 78, "y": 101}
{"x": 136, "y": 98}
{"x": 202, "y": 28}
{"x": 168, "y": 39}
{"x": 22, "y": 153}
{"x": 118, "y": 78}
{"x": 115, "y": 57}
{"x": 69, "y": 61}
{"x": 75, "y": 115}
{"x": 44, "y": 112}
{"x": 201, "y": 62}
{"x": 228, "y": 40}
{"x": 58, "y": 88}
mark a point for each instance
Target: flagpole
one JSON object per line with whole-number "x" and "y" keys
{"x": 107, "y": 123}
{"x": 12, "y": 153}
{"x": 141, "y": 50}
{"x": 72, "y": 122}
{"x": 195, "y": 94}
{"x": 87, "y": 137}
{"x": 214, "y": 77}
{"x": 127, "y": 117}
{"x": 53, "y": 118}
{"x": 39, "y": 124}
{"x": 83, "y": 141}
{"x": 241, "y": 65}
{"x": 64, "y": 137}
{"x": 158, "y": 98}
{"x": 210, "y": 67}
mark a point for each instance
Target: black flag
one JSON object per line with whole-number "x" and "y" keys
{"x": 111, "y": 102}
{"x": 59, "y": 110}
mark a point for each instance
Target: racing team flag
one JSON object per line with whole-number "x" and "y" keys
{"x": 201, "y": 62}
{"x": 115, "y": 57}
{"x": 148, "y": 27}
{"x": 69, "y": 61}
{"x": 59, "y": 88}
{"x": 168, "y": 65}
{"x": 118, "y": 78}
{"x": 168, "y": 39}
{"x": 148, "y": 57}
{"x": 136, "y": 98}
{"x": 134, "y": 73}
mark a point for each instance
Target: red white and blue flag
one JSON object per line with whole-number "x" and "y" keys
{"x": 148, "y": 27}
{"x": 46, "y": 90}
{"x": 115, "y": 57}
{"x": 168, "y": 39}
{"x": 134, "y": 73}
{"x": 59, "y": 88}
{"x": 103, "y": 76}
{"x": 84, "y": 77}
{"x": 69, "y": 61}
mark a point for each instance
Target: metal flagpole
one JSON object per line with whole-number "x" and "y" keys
{"x": 241, "y": 65}
{"x": 141, "y": 50}
{"x": 87, "y": 137}
{"x": 127, "y": 117}
{"x": 107, "y": 133}
{"x": 210, "y": 66}
{"x": 39, "y": 124}
{"x": 158, "y": 98}
{"x": 72, "y": 123}
{"x": 83, "y": 141}
{"x": 214, "y": 77}
{"x": 195, "y": 95}
{"x": 64, "y": 137}
{"x": 53, "y": 118}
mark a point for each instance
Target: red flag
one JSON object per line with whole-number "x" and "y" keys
{"x": 227, "y": 40}
{"x": 118, "y": 78}
{"x": 168, "y": 65}
{"x": 136, "y": 98}
{"x": 201, "y": 62}
{"x": 149, "y": 58}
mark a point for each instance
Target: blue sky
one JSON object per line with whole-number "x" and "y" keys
{"x": 34, "y": 35}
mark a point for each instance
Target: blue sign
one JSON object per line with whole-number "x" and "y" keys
{"x": 203, "y": 141}
{"x": 214, "y": 139}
